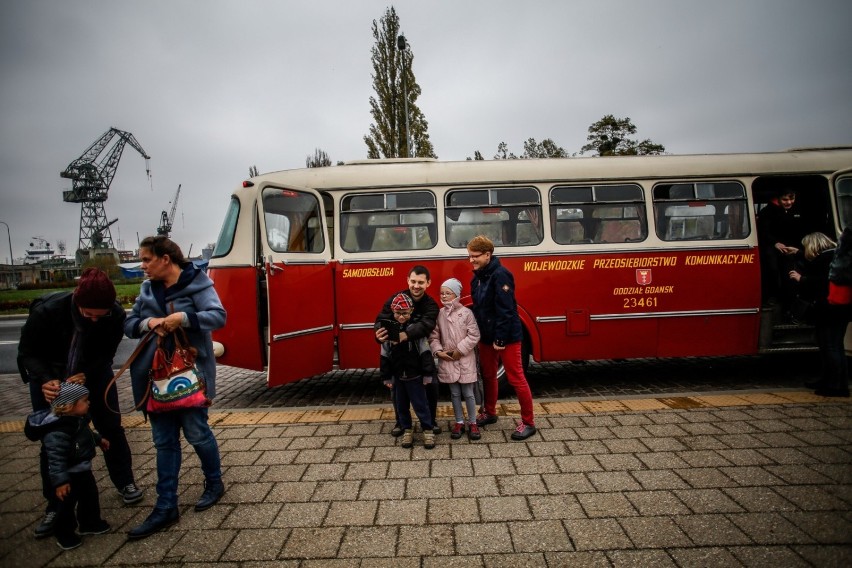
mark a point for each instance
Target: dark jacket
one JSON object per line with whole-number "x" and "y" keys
{"x": 423, "y": 318}
{"x": 841, "y": 265}
{"x": 43, "y": 352}
{"x": 813, "y": 286}
{"x": 778, "y": 225}
{"x": 407, "y": 360}
{"x": 493, "y": 292}
{"x": 68, "y": 441}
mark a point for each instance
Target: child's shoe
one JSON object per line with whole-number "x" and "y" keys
{"x": 428, "y": 439}
{"x": 408, "y": 438}
{"x": 473, "y": 431}
{"x": 68, "y": 541}
{"x": 101, "y": 527}
{"x": 458, "y": 429}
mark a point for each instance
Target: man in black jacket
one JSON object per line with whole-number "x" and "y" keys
{"x": 74, "y": 336}
{"x": 426, "y": 316}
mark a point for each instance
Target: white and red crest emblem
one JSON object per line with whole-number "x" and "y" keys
{"x": 643, "y": 276}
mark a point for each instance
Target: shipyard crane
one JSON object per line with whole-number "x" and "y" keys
{"x": 166, "y": 219}
{"x": 91, "y": 180}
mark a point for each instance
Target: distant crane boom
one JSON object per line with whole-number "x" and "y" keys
{"x": 167, "y": 219}
{"x": 91, "y": 180}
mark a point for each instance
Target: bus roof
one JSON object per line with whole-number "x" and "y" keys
{"x": 377, "y": 174}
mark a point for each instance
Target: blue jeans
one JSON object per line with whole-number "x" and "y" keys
{"x": 412, "y": 392}
{"x": 165, "y": 429}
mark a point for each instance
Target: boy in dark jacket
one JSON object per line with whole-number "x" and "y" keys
{"x": 70, "y": 446}
{"x": 408, "y": 366}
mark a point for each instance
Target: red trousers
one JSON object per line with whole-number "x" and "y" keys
{"x": 490, "y": 358}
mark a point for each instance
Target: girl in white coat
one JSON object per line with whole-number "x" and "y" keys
{"x": 453, "y": 341}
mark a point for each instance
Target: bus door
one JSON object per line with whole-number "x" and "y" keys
{"x": 842, "y": 185}
{"x": 299, "y": 284}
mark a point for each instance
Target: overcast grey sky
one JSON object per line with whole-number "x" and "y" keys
{"x": 211, "y": 87}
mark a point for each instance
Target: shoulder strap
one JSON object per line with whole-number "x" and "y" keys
{"x": 144, "y": 341}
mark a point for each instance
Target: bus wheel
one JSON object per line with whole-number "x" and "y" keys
{"x": 503, "y": 387}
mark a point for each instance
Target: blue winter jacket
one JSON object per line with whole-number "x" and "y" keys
{"x": 493, "y": 292}
{"x": 193, "y": 294}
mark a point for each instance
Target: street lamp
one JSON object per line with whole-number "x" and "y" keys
{"x": 400, "y": 43}
{"x": 11, "y": 254}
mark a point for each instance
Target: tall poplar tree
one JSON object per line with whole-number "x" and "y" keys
{"x": 393, "y": 78}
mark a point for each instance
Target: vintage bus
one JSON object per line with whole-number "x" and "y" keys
{"x": 617, "y": 257}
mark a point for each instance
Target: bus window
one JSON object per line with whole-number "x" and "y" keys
{"x": 229, "y": 228}
{"x": 701, "y": 211}
{"x": 292, "y": 221}
{"x": 509, "y": 216}
{"x": 599, "y": 214}
{"x": 392, "y": 221}
{"x": 844, "y": 201}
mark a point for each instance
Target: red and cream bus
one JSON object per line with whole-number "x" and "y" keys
{"x": 621, "y": 257}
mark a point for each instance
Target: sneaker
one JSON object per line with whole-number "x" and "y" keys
{"x": 131, "y": 494}
{"x": 458, "y": 428}
{"x": 397, "y": 431}
{"x": 408, "y": 438}
{"x": 45, "y": 527}
{"x": 436, "y": 430}
{"x": 428, "y": 440}
{"x": 99, "y": 528}
{"x": 523, "y": 431}
{"x": 473, "y": 432}
{"x": 68, "y": 541}
{"x": 158, "y": 520}
{"x": 483, "y": 419}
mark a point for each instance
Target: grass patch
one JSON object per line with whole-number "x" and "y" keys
{"x": 17, "y": 301}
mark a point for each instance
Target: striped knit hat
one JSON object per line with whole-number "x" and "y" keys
{"x": 69, "y": 393}
{"x": 402, "y": 302}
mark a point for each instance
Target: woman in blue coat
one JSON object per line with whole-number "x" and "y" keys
{"x": 176, "y": 294}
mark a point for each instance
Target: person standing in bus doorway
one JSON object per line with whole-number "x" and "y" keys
{"x": 73, "y": 336}
{"x": 176, "y": 294}
{"x": 829, "y": 320}
{"x": 408, "y": 367}
{"x": 423, "y": 320}
{"x": 453, "y": 342}
{"x": 780, "y": 231}
{"x": 493, "y": 292}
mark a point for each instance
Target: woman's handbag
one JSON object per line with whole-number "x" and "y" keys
{"x": 175, "y": 381}
{"x": 839, "y": 294}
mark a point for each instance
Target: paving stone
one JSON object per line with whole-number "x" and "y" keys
{"x": 711, "y": 530}
{"x": 659, "y": 479}
{"x": 759, "y": 499}
{"x": 353, "y": 513}
{"x": 769, "y": 556}
{"x": 359, "y": 542}
{"x": 469, "y": 538}
{"x": 654, "y": 532}
{"x": 434, "y": 540}
{"x": 301, "y": 514}
{"x": 596, "y": 534}
{"x": 706, "y": 557}
{"x": 521, "y": 485}
{"x": 654, "y": 503}
{"x": 508, "y": 508}
{"x": 539, "y": 536}
{"x": 769, "y": 528}
{"x": 309, "y": 542}
{"x": 408, "y": 512}
{"x": 453, "y": 511}
{"x": 546, "y": 507}
{"x": 606, "y": 505}
{"x": 827, "y": 527}
{"x": 613, "y": 481}
{"x": 707, "y": 501}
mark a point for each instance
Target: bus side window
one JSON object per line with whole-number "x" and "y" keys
{"x": 701, "y": 211}
{"x": 390, "y": 221}
{"x": 509, "y": 216}
{"x": 603, "y": 213}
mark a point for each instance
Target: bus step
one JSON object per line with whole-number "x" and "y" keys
{"x": 799, "y": 348}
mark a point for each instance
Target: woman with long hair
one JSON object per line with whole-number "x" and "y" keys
{"x": 176, "y": 294}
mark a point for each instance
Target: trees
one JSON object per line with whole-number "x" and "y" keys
{"x": 393, "y": 78}
{"x": 318, "y": 160}
{"x": 547, "y": 148}
{"x": 609, "y": 137}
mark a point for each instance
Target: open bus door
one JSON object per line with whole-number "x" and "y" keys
{"x": 299, "y": 284}
{"x": 841, "y": 183}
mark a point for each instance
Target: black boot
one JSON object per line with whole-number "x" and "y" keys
{"x": 158, "y": 520}
{"x": 213, "y": 491}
